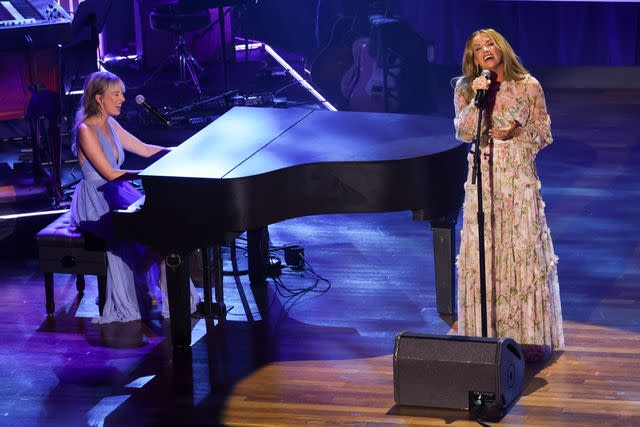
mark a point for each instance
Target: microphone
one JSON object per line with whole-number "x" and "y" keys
{"x": 480, "y": 93}
{"x": 158, "y": 115}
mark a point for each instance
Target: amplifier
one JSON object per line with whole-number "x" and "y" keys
{"x": 482, "y": 375}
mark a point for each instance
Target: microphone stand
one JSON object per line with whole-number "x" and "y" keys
{"x": 477, "y": 174}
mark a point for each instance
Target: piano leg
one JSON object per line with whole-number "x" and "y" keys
{"x": 220, "y": 309}
{"x": 258, "y": 252}
{"x": 179, "y": 298}
{"x": 217, "y": 309}
{"x": 444, "y": 251}
{"x": 206, "y": 281}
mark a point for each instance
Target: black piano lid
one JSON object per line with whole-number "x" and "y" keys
{"x": 291, "y": 137}
{"x": 215, "y": 150}
{"x": 329, "y": 137}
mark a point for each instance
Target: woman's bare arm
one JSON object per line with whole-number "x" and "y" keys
{"x": 134, "y": 145}
{"x": 90, "y": 149}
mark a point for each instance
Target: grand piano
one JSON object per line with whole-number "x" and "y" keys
{"x": 258, "y": 166}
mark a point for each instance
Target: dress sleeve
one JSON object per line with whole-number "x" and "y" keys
{"x": 537, "y": 128}
{"x": 466, "y": 120}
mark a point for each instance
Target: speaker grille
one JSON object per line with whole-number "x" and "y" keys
{"x": 441, "y": 370}
{"x": 415, "y": 347}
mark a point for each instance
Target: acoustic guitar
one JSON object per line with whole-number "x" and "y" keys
{"x": 335, "y": 59}
{"x": 371, "y": 84}
{"x": 390, "y": 71}
{"x": 328, "y": 67}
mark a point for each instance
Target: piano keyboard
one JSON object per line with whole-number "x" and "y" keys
{"x": 17, "y": 13}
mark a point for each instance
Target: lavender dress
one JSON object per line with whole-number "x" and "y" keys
{"x": 133, "y": 273}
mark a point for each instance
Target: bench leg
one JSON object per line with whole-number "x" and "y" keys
{"x": 48, "y": 291}
{"x": 80, "y": 284}
{"x": 102, "y": 292}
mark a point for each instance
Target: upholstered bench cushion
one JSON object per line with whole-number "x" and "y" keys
{"x": 62, "y": 248}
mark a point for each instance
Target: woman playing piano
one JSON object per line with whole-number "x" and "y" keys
{"x": 100, "y": 143}
{"x": 523, "y": 300}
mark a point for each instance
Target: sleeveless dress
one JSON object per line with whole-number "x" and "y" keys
{"x": 521, "y": 266}
{"x": 133, "y": 272}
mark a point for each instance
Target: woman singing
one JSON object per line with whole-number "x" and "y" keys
{"x": 523, "y": 299}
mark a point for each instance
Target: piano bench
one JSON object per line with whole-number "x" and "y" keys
{"x": 62, "y": 248}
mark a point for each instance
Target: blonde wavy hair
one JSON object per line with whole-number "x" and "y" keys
{"x": 97, "y": 84}
{"x": 513, "y": 69}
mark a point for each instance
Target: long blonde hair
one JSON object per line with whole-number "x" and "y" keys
{"x": 97, "y": 84}
{"x": 513, "y": 69}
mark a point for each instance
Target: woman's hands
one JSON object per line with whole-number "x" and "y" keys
{"x": 480, "y": 83}
{"x": 507, "y": 133}
{"x": 503, "y": 134}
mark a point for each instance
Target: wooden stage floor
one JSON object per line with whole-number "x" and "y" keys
{"x": 325, "y": 358}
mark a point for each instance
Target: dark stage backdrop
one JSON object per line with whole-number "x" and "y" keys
{"x": 543, "y": 33}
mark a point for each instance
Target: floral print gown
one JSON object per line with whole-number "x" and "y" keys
{"x": 523, "y": 299}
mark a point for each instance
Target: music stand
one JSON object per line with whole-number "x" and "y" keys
{"x": 80, "y": 56}
{"x": 190, "y": 5}
{"x": 194, "y": 5}
{"x": 88, "y": 20}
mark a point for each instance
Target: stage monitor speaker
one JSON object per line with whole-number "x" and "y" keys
{"x": 482, "y": 375}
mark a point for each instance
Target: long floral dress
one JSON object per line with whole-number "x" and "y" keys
{"x": 523, "y": 298}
